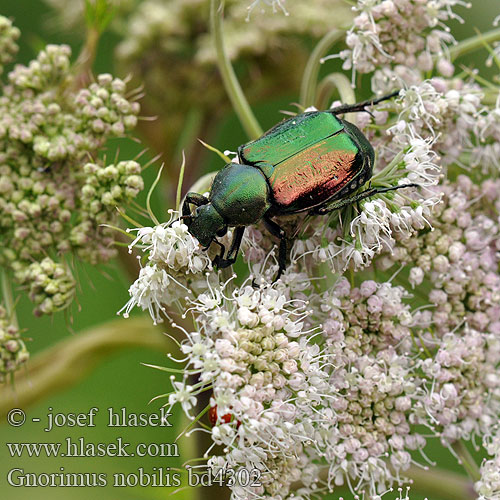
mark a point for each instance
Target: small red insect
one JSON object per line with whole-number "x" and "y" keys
{"x": 226, "y": 419}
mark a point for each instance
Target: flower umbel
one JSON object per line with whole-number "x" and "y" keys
{"x": 53, "y": 201}
{"x": 13, "y": 352}
{"x": 382, "y": 334}
{"x": 175, "y": 261}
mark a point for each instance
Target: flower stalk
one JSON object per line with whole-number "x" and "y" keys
{"x": 466, "y": 460}
{"x": 71, "y": 360}
{"x": 336, "y": 82}
{"x": 8, "y": 297}
{"x": 311, "y": 71}
{"x": 231, "y": 84}
{"x": 474, "y": 43}
{"x": 440, "y": 483}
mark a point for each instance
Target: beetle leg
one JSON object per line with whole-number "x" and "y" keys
{"x": 361, "y": 106}
{"x": 236, "y": 243}
{"x": 222, "y": 262}
{"x": 336, "y": 205}
{"x": 219, "y": 258}
{"x": 195, "y": 199}
{"x": 277, "y": 231}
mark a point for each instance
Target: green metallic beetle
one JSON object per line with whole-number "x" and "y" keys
{"x": 312, "y": 162}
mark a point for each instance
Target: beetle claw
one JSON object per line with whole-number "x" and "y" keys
{"x": 278, "y": 276}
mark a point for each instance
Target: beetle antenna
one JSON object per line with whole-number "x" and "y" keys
{"x": 361, "y": 106}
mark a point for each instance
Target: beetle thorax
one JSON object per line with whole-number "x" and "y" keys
{"x": 240, "y": 194}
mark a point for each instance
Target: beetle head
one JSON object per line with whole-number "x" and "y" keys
{"x": 204, "y": 224}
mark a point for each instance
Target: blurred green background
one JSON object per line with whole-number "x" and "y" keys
{"x": 121, "y": 380}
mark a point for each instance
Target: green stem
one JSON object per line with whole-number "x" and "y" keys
{"x": 311, "y": 72}
{"x": 226, "y": 273}
{"x": 83, "y": 65}
{"x": 70, "y": 360}
{"x": 440, "y": 483}
{"x": 190, "y": 131}
{"x": 8, "y": 298}
{"x": 466, "y": 460}
{"x": 231, "y": 84}
{"x": 187, "y": 140}
{"x": 189, "y": 450}
{"x": 490, "y": 97}
{"x": 336, "y": 82}
{"x": 474, "y": 43}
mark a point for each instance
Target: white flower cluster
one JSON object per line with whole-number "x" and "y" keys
{"x": 445, "y": 110}
{"x": 373, "y": 388}
{"x": 294, "y": 403}
{"x": 400, "y": 33}
{"x": 53, "y": 205}
{"x": 458, "y": 264}
{"x": 51, "y": 286}
{"x": 430, "y": 126}
{"x": 465, "y": 393}
{"x": 488, "y": 487}
{"x": 175, "y": 260}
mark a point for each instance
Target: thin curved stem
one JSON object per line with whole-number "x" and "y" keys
{"x": 187, "y": 139}
{"x": 336, "y": 82}
{"x": 69, "y": 361}
{"x": 231, "y": 84}
{"x": 474, "y": 43}
{"x": 466, "y": 460}
{"x": 8, "y": 298}
{"x": 441, "y": 483}
{"x": 311, "y": 72}
{"x": 85, "y": 60}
